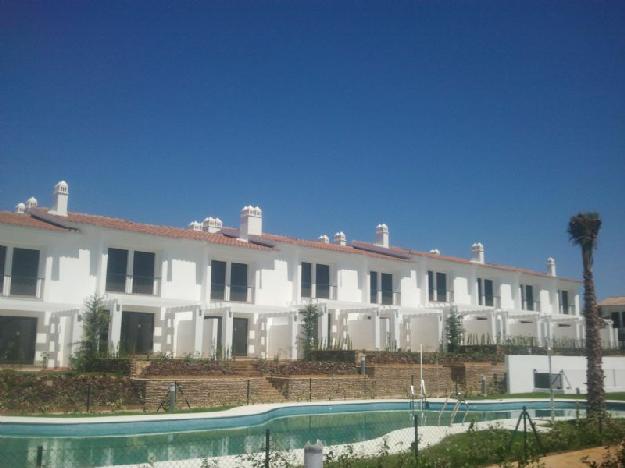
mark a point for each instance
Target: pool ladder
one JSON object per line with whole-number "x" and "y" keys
{"x": 459, "y": 401}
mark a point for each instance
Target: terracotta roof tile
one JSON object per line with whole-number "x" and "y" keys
{"x": 155, "y": 230}
{"x": 315, "y": 244}
{"x": 613, "y": 301}
{"x": 56, "y": 223}
{"x": 25, "y": 220}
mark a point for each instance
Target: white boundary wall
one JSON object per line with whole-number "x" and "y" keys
{"x": 520, "y": 371}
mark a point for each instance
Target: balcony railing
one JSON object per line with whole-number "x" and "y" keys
{"x": 491, "y": 301}
{"x": 448, "y": 296}
{"x": 570, "y": 310}
{"x": 318, "y": 291}
{"x": 22, "y": 286}
{"x": 232, "y": 293}
{"x": 133, "y": 284}
{"x": 531, "y": 306}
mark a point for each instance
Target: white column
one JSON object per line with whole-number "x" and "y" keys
{"x": 323, "y": 331}
{"x": 539, "y": 338}
{"x": 129, "y": 271}
{"x": 227, "y": 285}
{"x": 396, "y": 321}
{"x": 227, "y": 332}
{"x": 198, "y": 328}
{"x": 313, "y": 280}
{"x": 293, "y": 333}
{"x": 376, "y": 329}
{"x": 493, "y": 326}
{"x": 8, "y": 261}
{"x": 115, "y": 327}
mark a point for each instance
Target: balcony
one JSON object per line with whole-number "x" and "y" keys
{"x": 439, "y": 296}
{"x": 491, "y": 301}
{"x": 22, "y": 286}
{"x": 318, "y": 291}
{"x": 232, "y": 293}
{"x": 531, "y": 306}
{"x": 129, "y": 284}
{"x": 568, "y": 310}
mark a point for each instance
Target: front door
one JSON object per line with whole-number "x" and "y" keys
{"x": 137, "y": 335}
{"x": 239, "y": 337}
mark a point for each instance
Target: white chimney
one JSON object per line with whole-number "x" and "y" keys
{"x": 20, "y": 208}
{"x": 340, "y": 238}
{"x": 60, "y": 198}
{"x": 212, "y": 225}
{"x": 435, "y": 251}
{"x": 381, "y": 235}
{"x": 195, "y": 226}
{"x": 251, "y": 222}
{"x": 551, "y": 266}
{"x": 478, "y": 252}
{"x": 324, "y": 239}
{"x": 31, "y": 203}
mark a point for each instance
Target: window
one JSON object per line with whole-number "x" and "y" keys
{"x": 441, "y": 287}
{"x": 3, "y": 256}
{"x": 306, "y": 281}
{"x": 615, "y": 320}
{"x": 387, "y": 288}
{"x": 17, "y": 339}
{"x": 143, "y": 273}
{"x": 238, "y": 282}
{"x": 322, "y": 281}
{"x": 218, "y": 280}
{"x": 116, "y": 269}
{"x": 564, "y": 302}
{"x": 527, "y": 297}
{"x": 24, "y": 272}
{"x": 373, "y": 287}
{"x": 485, "y": 292}
{"x": 437, "y": 287}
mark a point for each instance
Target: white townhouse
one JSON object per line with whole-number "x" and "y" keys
{"x": 209, "y": 290}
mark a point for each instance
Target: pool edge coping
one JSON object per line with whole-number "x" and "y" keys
{"x": 248, "y": 410}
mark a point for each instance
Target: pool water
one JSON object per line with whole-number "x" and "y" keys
{"x": 105, "y": 444}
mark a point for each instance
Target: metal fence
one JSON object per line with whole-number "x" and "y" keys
{"x": 276, "y": 443}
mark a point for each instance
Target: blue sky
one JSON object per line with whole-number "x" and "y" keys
{"x": 452, "y": 122}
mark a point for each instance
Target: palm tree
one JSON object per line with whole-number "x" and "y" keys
{"x": 583, "y": 231}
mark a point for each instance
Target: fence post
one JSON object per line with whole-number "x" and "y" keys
{"x": 39, "y": 461}
{"x": 267, "y": 448}
{"x": 416, "y": 437}
{"x": 309, "y": 389}
{"x": 524, "y": 434}
{"x": 248, "y": 391}
{"x": 88, "y": 397}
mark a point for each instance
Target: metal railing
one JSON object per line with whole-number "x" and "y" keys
{"x": 133, "y": 284}
{"x": 232, "y": 293}
{"x": 447, "y": 296}
{"x": 22, "y": 286}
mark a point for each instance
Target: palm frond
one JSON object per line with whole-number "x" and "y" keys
{"x": 584, "y": 228}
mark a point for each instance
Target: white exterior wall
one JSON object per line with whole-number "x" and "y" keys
{"x": 520, "y": 372}
{"x": 74, "y": 264}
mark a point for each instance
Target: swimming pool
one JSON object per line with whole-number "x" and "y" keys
{"x": 182, "y": 437}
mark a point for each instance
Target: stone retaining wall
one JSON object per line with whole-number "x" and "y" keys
{"x": 207, "y": 393}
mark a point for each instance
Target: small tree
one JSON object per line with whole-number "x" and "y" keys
{"x": 95, "y": 322}
{"x": 454, "y": 331}
{"x": 308, "y": 338}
